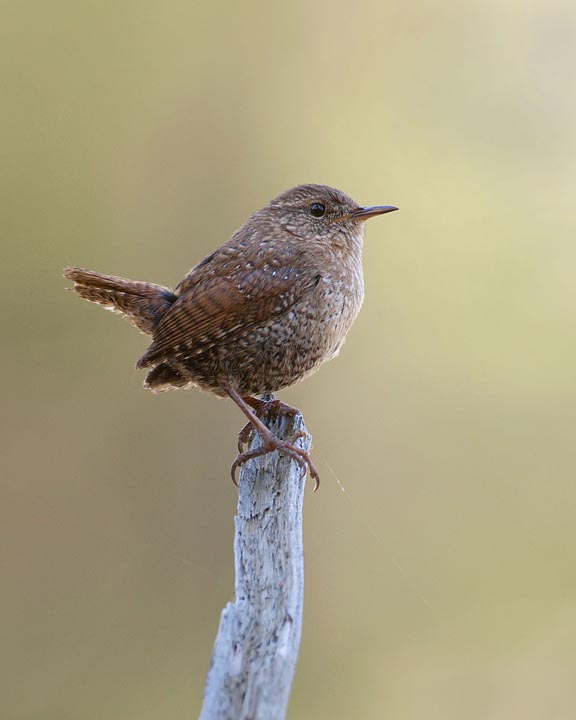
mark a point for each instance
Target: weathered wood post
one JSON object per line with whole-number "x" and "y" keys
{"x": 256, "y": 648}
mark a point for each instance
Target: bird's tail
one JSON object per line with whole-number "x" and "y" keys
{"x": 144, "y": 304}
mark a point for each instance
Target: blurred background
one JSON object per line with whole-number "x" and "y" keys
{"x": 441, "y": 548}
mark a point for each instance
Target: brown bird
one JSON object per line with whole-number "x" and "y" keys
{"x": 261, "y": 312}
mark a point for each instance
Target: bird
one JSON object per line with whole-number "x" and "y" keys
{"x": 260, "y": 313}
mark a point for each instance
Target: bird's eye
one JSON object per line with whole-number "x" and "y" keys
{"x": 317, "y": 210}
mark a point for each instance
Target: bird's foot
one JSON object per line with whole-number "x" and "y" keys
{"x": 270, "y": 443}
{"x": 253, "y": 408}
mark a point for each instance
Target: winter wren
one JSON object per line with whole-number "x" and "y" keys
{"x": 261, "y": 312}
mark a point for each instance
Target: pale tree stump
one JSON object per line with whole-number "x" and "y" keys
{"x": 256, "y": 648}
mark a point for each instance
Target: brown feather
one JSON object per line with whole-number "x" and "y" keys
{"x": 142, "y": 303}
{"x": 224, "y": 296}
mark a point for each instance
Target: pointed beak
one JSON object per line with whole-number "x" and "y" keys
{"x": 364, "y": 213}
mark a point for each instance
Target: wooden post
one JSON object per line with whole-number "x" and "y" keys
{"x": 256, "y": 648}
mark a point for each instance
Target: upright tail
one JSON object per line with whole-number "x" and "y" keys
{"x": 142, "y": 303}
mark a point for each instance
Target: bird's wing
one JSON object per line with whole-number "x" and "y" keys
{"x": 226, "y": 295}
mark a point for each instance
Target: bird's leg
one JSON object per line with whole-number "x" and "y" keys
{"x": 269, "y": 441}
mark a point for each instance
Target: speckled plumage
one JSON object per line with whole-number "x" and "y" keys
{"x": 262, "y": 311}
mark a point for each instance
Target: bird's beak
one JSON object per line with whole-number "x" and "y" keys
{"x": 364, "y": 213}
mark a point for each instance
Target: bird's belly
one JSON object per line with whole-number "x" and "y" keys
{"x": 280, "y": 354}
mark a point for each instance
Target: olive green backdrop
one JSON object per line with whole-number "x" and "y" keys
{"x": 441, "y": 548}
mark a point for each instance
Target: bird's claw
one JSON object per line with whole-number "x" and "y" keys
{"x": 302, "y": 457}
{"x": 244, "y": 437}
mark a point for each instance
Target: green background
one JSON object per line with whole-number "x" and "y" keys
{"x": 441, "y": 547}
